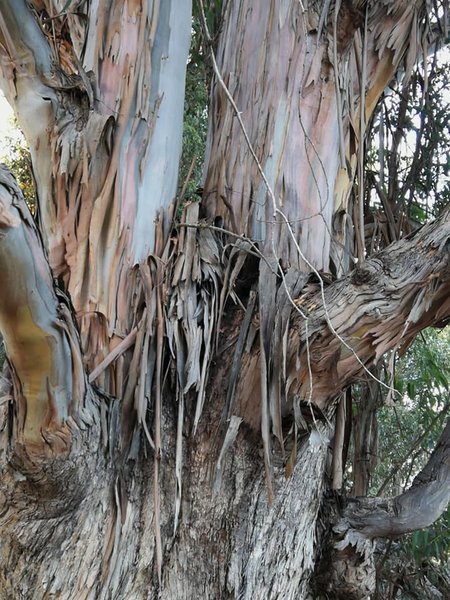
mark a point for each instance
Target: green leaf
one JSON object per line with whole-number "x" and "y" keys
{"x": 411, "y": 389}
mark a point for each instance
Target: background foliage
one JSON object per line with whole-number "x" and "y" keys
{"x": 417, "y": 565}
{"x": 16, "y": 156}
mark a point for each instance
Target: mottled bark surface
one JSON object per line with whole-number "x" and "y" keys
{"x": 226, "y": 525}
{"x": 97, "y": 93}
{"x": 183, "y": 393}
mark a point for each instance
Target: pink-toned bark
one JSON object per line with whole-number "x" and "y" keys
{"x": 303, "y": 123}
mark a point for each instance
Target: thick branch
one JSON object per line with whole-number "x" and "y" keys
{"x": 418, "y": 507}
{"x": 40, "y": 340}
{"x": 25, "y": 62}
{"x": 380, "y": 306}
{"x": 23, "y": 39}
{"x": 349, "y": 565}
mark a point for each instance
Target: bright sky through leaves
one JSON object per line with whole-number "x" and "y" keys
{"x": 6, "y": 127}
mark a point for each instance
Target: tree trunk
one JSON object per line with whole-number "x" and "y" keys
{"x": 170, "y": 387}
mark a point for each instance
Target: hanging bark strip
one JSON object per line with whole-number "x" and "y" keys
{"x": 346, "y": 326}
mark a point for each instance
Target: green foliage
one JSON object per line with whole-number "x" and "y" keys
{"x": 408, "y": 434}
{"x": 415, "y": 422}
{"x": 17, "y": 158}
{"x": 198, "y": 78}
{"x": 195, "y": 129}
{"x": 213, "y": 13}
{"x": 431, "y": 544}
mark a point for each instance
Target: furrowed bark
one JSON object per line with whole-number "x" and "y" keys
{"x": 380, "y": 306}
{"x": 337, "y": 334}
{"x": 40, "y": 340}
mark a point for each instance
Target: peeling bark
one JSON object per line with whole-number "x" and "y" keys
{"x": 153, "y": 483}
{"x": 337, "y": 333}
{"x": 380, "y": 306}
{"x": 40, "y": 340}
{"x": 103, "y": 116}
{"x": 298, "y": 72}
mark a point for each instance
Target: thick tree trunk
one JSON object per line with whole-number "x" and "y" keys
{"x": 151, "y": 483}
{"x": 297, "y": 76}
{"x": 229, "y": 539}
{"x": 97, "y": 94}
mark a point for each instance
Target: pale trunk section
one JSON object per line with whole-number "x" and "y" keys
{"x": 98, "y": 91}
{"x": 296, "y": 77}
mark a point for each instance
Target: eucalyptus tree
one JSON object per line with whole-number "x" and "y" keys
{"x": 173, "y": 405}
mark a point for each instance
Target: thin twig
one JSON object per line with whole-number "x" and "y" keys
{"x": 188, "y": 177}
{"x": 413, "y": 446}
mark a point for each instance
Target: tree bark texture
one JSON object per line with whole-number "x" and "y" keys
{"x": 97, "y": 94}
{"x": 299, "y": 72}
{"x": 248, "y": 533}
{"x": 168, "y": 430}
{"x": 40, "y": 337}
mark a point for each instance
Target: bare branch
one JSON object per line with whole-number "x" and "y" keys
{"x": 418, "y": 507}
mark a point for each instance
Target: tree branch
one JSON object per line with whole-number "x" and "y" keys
{"x": 380, "y": 306}
{"x": 23, "y": 39}
{"x": 418, "y": 507}
{"x": 349, "y": 565}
